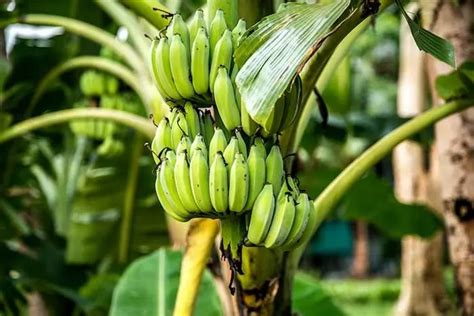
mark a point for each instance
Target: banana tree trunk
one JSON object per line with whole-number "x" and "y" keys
{"x": 455, "y": 148}
{"x": 422, "y": 291}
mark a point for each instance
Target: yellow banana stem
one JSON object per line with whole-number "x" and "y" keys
{"x": 199, "y": 244}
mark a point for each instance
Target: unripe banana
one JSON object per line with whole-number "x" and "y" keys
{"x": 207, "y": 126}
{"x": 200, "y": 59}
{"x": 179, "y": 128}
{"x": 179, "y": 27}
{"x": 310, "y": 226}
{"x": 225, "y": 100}
{"x": 160, "y": 64}
{"x": 219, "y": 184}
{"x": 302, "y": 212}
{"x": 256, "y": 163}
{"x": 282, "y": 222}
{"x": 230, "y": 151}
{"x": 184, "y": 145}
{"x": 180, "y": 67}
{"x": 218, "y": 143}
{"x": 199, "y": 144}
{"x": 165, "y": 202}
{"x": 183, "y": 183}
{"x": 222, "y": 56}
{"x": 216, "y": 29}
{"x": 197, "y": 22}
{"x": 292, "y": 104}
{"x": 192, "y": 119}
{"x": 249, "y": 126}
{"x": 229, "y": 9}
{"x": 238, "y": 31}
{"x": 238, "y": 184}
{"x": 242, "y": 144}
{"x": 199, "y": 173}
{"x": 274, "y": 169}
{"x": 262, "y": 215}
{"x": 162, "y": 139}
{"x": 169, "y": 187}
{"x": 273, "y": 122}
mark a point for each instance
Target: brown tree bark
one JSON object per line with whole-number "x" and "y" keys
{"x": 455, "y": 149}
{"x": 422, "y": 290}
{"x": 360, "y": 262}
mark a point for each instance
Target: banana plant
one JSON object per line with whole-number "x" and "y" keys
{"x": 249, "y": 75}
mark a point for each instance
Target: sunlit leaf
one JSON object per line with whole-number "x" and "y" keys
{"x": 276, "y": 49}
{"x": 428, "y": 42}
{"x": 148, "y": 288}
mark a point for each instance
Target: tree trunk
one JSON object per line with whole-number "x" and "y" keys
{"x": 422, "y": 290}
{"x": 360, "y": 261}
{"x": 455, "y": 149}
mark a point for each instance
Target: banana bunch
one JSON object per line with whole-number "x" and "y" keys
{"x": 95, "y": 83}
{"x": 95, "y": 129}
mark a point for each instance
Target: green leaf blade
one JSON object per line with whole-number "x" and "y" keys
{"x": 430, "y": 43}
{"x": 275, "y": 50}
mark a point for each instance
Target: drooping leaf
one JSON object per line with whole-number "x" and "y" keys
{"x": 276, "y": 49}
{"x": 309, "y": 296}
{"x": 428, "y": 42}
{"x": 148, "y": 287}
{"x": 457, "y": 84}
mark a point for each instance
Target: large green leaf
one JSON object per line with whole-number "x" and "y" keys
{"x": 428, "y": 42}
{"x": 372, "y": 199}
{"x": 457, "y": 84}
{"x": 276, "y": 48}
{"x": 149, "y": 286}
{"x": 309, "y": 298}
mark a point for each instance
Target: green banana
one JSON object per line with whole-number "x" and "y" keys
{"x": 179, "y": 128}
{"x": 273, "y": 122}
{"x": 184, "y": 145}
{"x": 162, "y": 139}
{"x": 261, "y": 216}
{"x": 249, "y": 126}
{"x": 200, "y": 59}
{"x": 197, "y": 23}
{"x": 257, "y": 173}
{"x": 160, "y": 64}
{"x": 229, "y": 9}
{"x": 199, "y": 144}
{"x": 219, "y": 184}
{"x": 180, "y": 67}
{"x": 192, "y": 119}
{"x": 238, "y": 31}
{"x": 313, "y": 220}
{"x": 165, "y": 202}
{"x": 199, "y": 174}
{"x": 207, "y": 126}
{"x": 302, "y": 212}
{"x": 216, "y": 29}
{"x": 230, "y": 151}
{"x": 282, "y": 222}
{"x": 222, "y": 56}
{"x": 225, "y": 100}
{"x": 242, "y": 144}
{"x": 169, "y": 187}
{"x": 179, "y": 27}
{"x": 274, "y": 169}
{"x": 292, "y": 104}
{"x": 238, "y": 184}
{"x": 183, "y": 182}
{"x": 218, "y": 143}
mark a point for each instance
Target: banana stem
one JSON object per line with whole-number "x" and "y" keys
{"x": 129, "y": 201}
{"x": 112, "y": 67}
{"x": 339, "y": 186}
{"x": 90, "y": 32}
{"x": 124, "y": 17}
{"x": 140, "y": 124}
{"x": 153, "y": 11}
